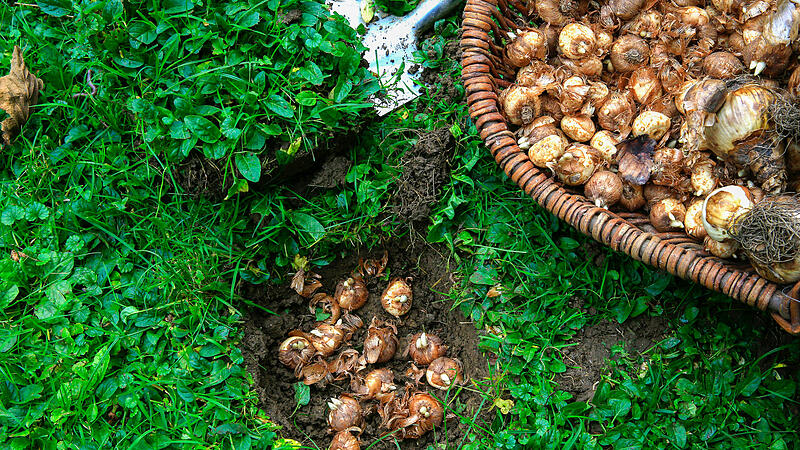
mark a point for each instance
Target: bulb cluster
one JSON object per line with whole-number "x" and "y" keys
{"x": 652, "y": 107}
{"x": 409, "y": 412}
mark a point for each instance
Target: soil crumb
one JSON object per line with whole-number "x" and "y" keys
{"x": 587, "y": 358}
{"x": 430, "y": 311}
{"x": 425, "y": 170}
{"x": 332, "y": 173}
{"x": 445, "y": 89}
{"x": 200, "y": 177}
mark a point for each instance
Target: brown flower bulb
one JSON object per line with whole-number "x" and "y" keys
{"x": 651, "y": 123}
{"x": 539, "y": 75}
{"x": 722, "y": 65}
{"x": 526, "y": 47}
{"x": 616, "y": 113}
{"x": 346, "y": 363}
{"x": 632, "y": 198}
{"x": 626, "y": 9}
{"x": 372, "y": 267}
{"x": 295, "y": 351}
{"x": 604, "y": 189}
{"x": 351, "y": 293}
{"x": 316, "y": 372}
{"x": 591, "y": 66}
{"x": 396, "y": 299}
{"x": 635, "y": 158}
{"x": 550, "y": 12}
{"x": 644, "y": 85}
{"x": 654, "y": 193}
{"x": 693, "y": 222}
{"x": 574, "y": 93}
{"x": 521, "y": 104}
{"x": 444, "y": 372}
{"x": 647, "y": 24}
{"x": 378, "y": 384}
{"x": 793, "y": 85}
{"x": 721, "y": 249}
{"x": 345, "y": 440}
{"x": 425, "y": 347}
{"x": 577, "y": 165}
{"x": 703, "y": 179}
{"x": 327, "y": 304}
{"x": 381, "y": 341}
{"x": 606, "y": 144}
{"x": 668, "y": 167}
{"x": 629, "y": 52}
{"x": 722, "y": 207}
{"x": 543, "y": 141}
{"x": 325, "y": 338}
{"x": 667, "y": 215}
{"x": 578, "y": 127}
{"x": 345, "y": 412}
{"x": 576, "y": 41}
{"x": 428, "y": 410}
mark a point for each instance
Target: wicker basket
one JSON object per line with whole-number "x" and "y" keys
{"x": 486, "y": 22}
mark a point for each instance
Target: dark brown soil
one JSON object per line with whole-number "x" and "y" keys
{"x": 426, "y": 167}
{"x": 587, "y": 358}
{"x": 332, "y": 173}
{"x": 445, "y": 89}
{"x": 201, "y": 177}
{"x": 273, "y": 382}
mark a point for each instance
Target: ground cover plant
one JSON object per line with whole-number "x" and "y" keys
{"x": 126, "y": 295}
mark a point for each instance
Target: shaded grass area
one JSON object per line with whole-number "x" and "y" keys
{"x": 120, "y": 293}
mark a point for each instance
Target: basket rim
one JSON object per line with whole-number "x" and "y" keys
{"x": 675, "y": 253}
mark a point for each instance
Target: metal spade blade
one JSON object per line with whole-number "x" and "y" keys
{"x": 390, "y": 43}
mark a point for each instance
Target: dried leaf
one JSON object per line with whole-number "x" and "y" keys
{"x": 19, "y": 90}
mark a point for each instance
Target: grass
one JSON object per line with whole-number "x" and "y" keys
{"x": 119, "y": 325}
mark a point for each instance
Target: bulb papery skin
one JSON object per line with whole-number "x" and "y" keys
{"x": 397, "y": 297}
{"x": 722, "y": 207}
{"x": 345, "y": 412}
{"x": 743, "y": 115}
{"x": 424, "y": 348}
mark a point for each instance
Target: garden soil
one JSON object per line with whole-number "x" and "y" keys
{"x": 273, "y": 382}
{"x": 587, "y": 352}
{"x": 426, "y": 167}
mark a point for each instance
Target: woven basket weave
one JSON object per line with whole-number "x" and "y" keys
{"x": 485, "y": 72}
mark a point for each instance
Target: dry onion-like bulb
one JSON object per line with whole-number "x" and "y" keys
{"x": 539, "y": 75}
{"x": 668, "y": 167}
{"x": 576, "y": 41}
{"x": 325, "y": 338}
{"x": 351, "y": 293}
{"x": 699, "y": 101}
{"x": 616, "y": 113}
{"x": 703, "y": 179}
{"x": 635, "y": 159}
{"x": 396, "y": 299}
{"x": 721, "y": 249}
{"x": 722, "y": 207}
{"x": 577, "y": 165}
{"x": 378, "y": 384}
{"x": 591, "y": 66}
{"x": 544, "y": 143}
{"x": 551, "y": 107}
{"x": 521, "y": 104}
{"x": 647, "y": 24}
{"x": 727, "y": 6}
{"x": 604, "y": 39}
{"x": 443, "y": 372}
{"x": 667, "y": 215}
{"x": 295, "y": 351}
{"x": 722, "y": 65}
{"x": 550, "y": 12}
{"x": 380, "y": 344}
{"x": 573, "y": 94}
{"x": 314, "y": 373}
{"x": 604, "y": 189}
{"x": 632, "y": 197}
{"x": 654, "y": 193}
{"x": 626, "y": 9}
{"x": 345, "y": 440}
{"x": 328, "y": 305}
{"x": 606, "y": 144}
{"x": 693, "y": 222}
{"x": 425, "y": 347}
{"x": 345, "y": 412}
{"x": 428, "y": 410}
{"x": 651, "y": 123}
{"x": 578, "y": 127}
{"x": 526, "y": 47}
{"x": 346, "y": 363}
{"x": 629, "y": 52}
{"x": 372, "y": 267}
{"x": 644, "y": 85}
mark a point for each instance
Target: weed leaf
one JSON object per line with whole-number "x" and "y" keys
{"x": 249, "y": 166}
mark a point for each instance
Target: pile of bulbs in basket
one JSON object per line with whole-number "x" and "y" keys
{"x": 650, "y": 106}
{"x": 407, "y": 415}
